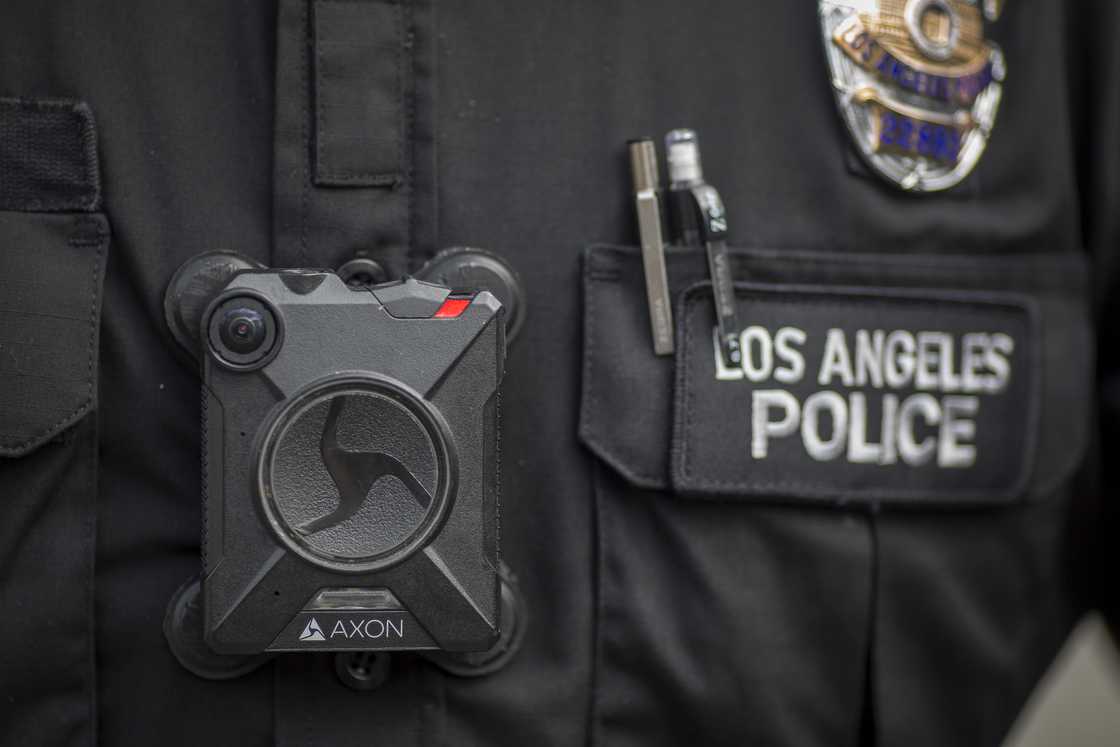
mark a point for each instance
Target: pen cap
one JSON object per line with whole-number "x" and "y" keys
{"x": 683, "y": 155}
{"x": 643, "y": 164}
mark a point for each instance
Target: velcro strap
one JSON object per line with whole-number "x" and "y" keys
{"x": 361, "y": 66}
{"x": 48, "y": 162}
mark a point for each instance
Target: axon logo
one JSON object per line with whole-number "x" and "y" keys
{"x": 371, "y": 629}
{"x": 312, "y": 631}
{"x": 353, "y": 629}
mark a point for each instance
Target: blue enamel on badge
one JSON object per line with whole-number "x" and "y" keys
{"x": 917, "y": 83}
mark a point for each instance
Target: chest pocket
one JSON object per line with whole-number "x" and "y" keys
{"x": 53, "y": 249}
{"x": 889, "y": 463}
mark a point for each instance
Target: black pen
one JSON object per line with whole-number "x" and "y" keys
{"x": 699, "y": 218}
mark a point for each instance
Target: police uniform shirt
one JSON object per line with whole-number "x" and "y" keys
{"x": 680, "y": 587}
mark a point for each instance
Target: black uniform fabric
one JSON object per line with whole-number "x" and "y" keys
{"x": 654, "y": 618}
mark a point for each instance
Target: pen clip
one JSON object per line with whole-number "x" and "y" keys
{"x": 647, "y": 200}
{"x": 713, "y": 231}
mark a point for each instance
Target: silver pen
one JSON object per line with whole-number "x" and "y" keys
{"x": 643, "y": 166}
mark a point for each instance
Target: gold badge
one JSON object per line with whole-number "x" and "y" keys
{"x": 917, "y": 83}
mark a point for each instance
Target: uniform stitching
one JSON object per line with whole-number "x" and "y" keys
{"x": 601, "y": 531}
{"x": 370, "y": 177}
{"x": 407, "y": 92}
{"x": 88, "y": 539}
{"x": 305, "y": 168}
{"x": 320, "y": 94}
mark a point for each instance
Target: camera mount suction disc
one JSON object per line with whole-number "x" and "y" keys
{"x": 467, "y": 269}
{"x": 182, "y": 627}
{"x": 191, "y": 289}
{"x": 483, "y": 663}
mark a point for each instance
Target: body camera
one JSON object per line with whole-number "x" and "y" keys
{"x": 350, "y": 465}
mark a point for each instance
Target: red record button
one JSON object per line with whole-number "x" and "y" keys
{"x": 452, "y": 308}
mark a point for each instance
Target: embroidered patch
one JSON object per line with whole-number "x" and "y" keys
{"x": 917, "y": 83}
{"x": 848, "y": 393}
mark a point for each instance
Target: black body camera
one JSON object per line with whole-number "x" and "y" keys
{"x": 350, "y": 464}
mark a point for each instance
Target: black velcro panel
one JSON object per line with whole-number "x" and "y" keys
{"x": 48, "y": 161}
{"x": 361, "y": 71}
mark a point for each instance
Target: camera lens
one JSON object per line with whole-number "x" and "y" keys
{"x": 242, "y": 330}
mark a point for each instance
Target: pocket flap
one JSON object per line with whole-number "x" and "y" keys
{"x": 909, "y": 380}
{"x": 51, "y": 268}
{"x": 53, "y": 244}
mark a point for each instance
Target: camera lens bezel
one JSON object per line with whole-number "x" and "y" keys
{"x": 217, "y": 316}
{"x": 430, "y": 419}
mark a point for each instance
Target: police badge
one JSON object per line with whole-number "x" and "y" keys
{"x": 917, "y": 83}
